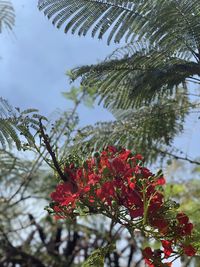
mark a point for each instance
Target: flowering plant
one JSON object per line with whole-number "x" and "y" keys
{"x": 115, "y": 183}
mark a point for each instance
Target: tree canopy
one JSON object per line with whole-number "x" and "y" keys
{"x": 151, "y": 74}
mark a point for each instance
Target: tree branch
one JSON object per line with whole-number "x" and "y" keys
{"x": 178, "y": 157}
{"x": 52, "y": 154}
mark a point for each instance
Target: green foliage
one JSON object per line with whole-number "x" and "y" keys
{"x": 97, "y": 16}
{"x": 7, "y": 15}
{"x": 163, "y": 21}
{"x": 10, "y": 166}
{"x": 15, "y": 122}
{"x": 97, "y": 257}
{"x": 145, "y": 130}
{"x": 142, "y": 72}
{"x": 136, "y": 75}
{"x": 167, "y": 34}
{"x": 74, "y": 94}
{"x": 150, "y": 73}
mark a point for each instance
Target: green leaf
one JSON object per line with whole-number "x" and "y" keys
{"x": 72, "y": 94}
{"x": 14, "y": 123}
{"x": 97, "y": 257}
{"x": 95, "y": 16}
{"x": 7, "y": 15}
{"x": 136, "y": 75}
{"x": 81, "y": 209}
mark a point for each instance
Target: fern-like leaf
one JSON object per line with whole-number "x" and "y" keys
{"x": 99, "y": 16}
{"x": 137, "y": 75}
{"x": 144, "y": 130}
{"x": 97, "y": 256}
{"x": 7, "y": 15}
{"x": 167, "y": 22}
{"x": 14, "y": 123}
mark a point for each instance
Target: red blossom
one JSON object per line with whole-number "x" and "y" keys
{"x": 125, "y": 154}
{"x": 62, "y": 190}
{"x": 139, "y": 157}
{"x": 185, "y": 229}
{"x": 182, "y": 218}
{"x": 160, "y": 181}
{"x": 136, "y": 212}
{"x": 159, "y": 222}
{"x": 156, "y": 202}
{"x": 57, "y": 209}
{"x": 118, "y": 165}
{"x": 148, "y": 256}
{"x": 189, "y": 250}
{"x": 93, "y": 178}
{"x": 145, "y": 172}
{"x": 69, "y": 172}
{"x": 112, "y": 149}
{"x": 167, "y": 245}
{"x": 131, "y": 182}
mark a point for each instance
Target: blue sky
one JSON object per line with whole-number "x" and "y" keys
{"x": 35, "y": 58}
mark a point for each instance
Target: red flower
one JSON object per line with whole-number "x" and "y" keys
{"x": 93, "y": 178}
{"x": 131, "y": 182}
{"x": 139, "y": 157}
{"x": 69, "y": 200}
{"x": 156, "y": 202}
{"x": 160, "y": 181}
{"x": 167, "y": 245}
{"x": 129, "y": 173}
{"x": 61, "y": 191}
{"x": 188, "y": 228}
{"x": 189, "y": 250}
{"x": 58, "y": 217}
{"x": 133, "y": 198}
{"x": 57, "y": 209}
{"x": 148, "y": 255}
{"x": 124, "y": 155}
{"x": 158, "y": 222}
{"x": 107, "y": 192}
{"x": 147, "y": 252}
{"x": 146, "y": 172}
{"x": 104, "y": 162}
{"x": 118, "y": 165}
{"x": 182, "y": 218}
{"x": 79, "y": 174}
{"x": 112, "y": 149}
{"x": 63, "y": 194}
{"x": 70, "y": 172}
{"x": 136, "y": 212}
{"x": 185, "y": 229}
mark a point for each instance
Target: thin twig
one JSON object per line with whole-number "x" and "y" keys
{"x": 51, "y": 152}
{"x": 179, "y": 157}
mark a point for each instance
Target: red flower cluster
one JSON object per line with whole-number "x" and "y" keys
{"x": 115, "y": 183}
{"x": 112, "y": 176}
{"x": 154, "y": 258}
{"x": 180, "y": 229}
